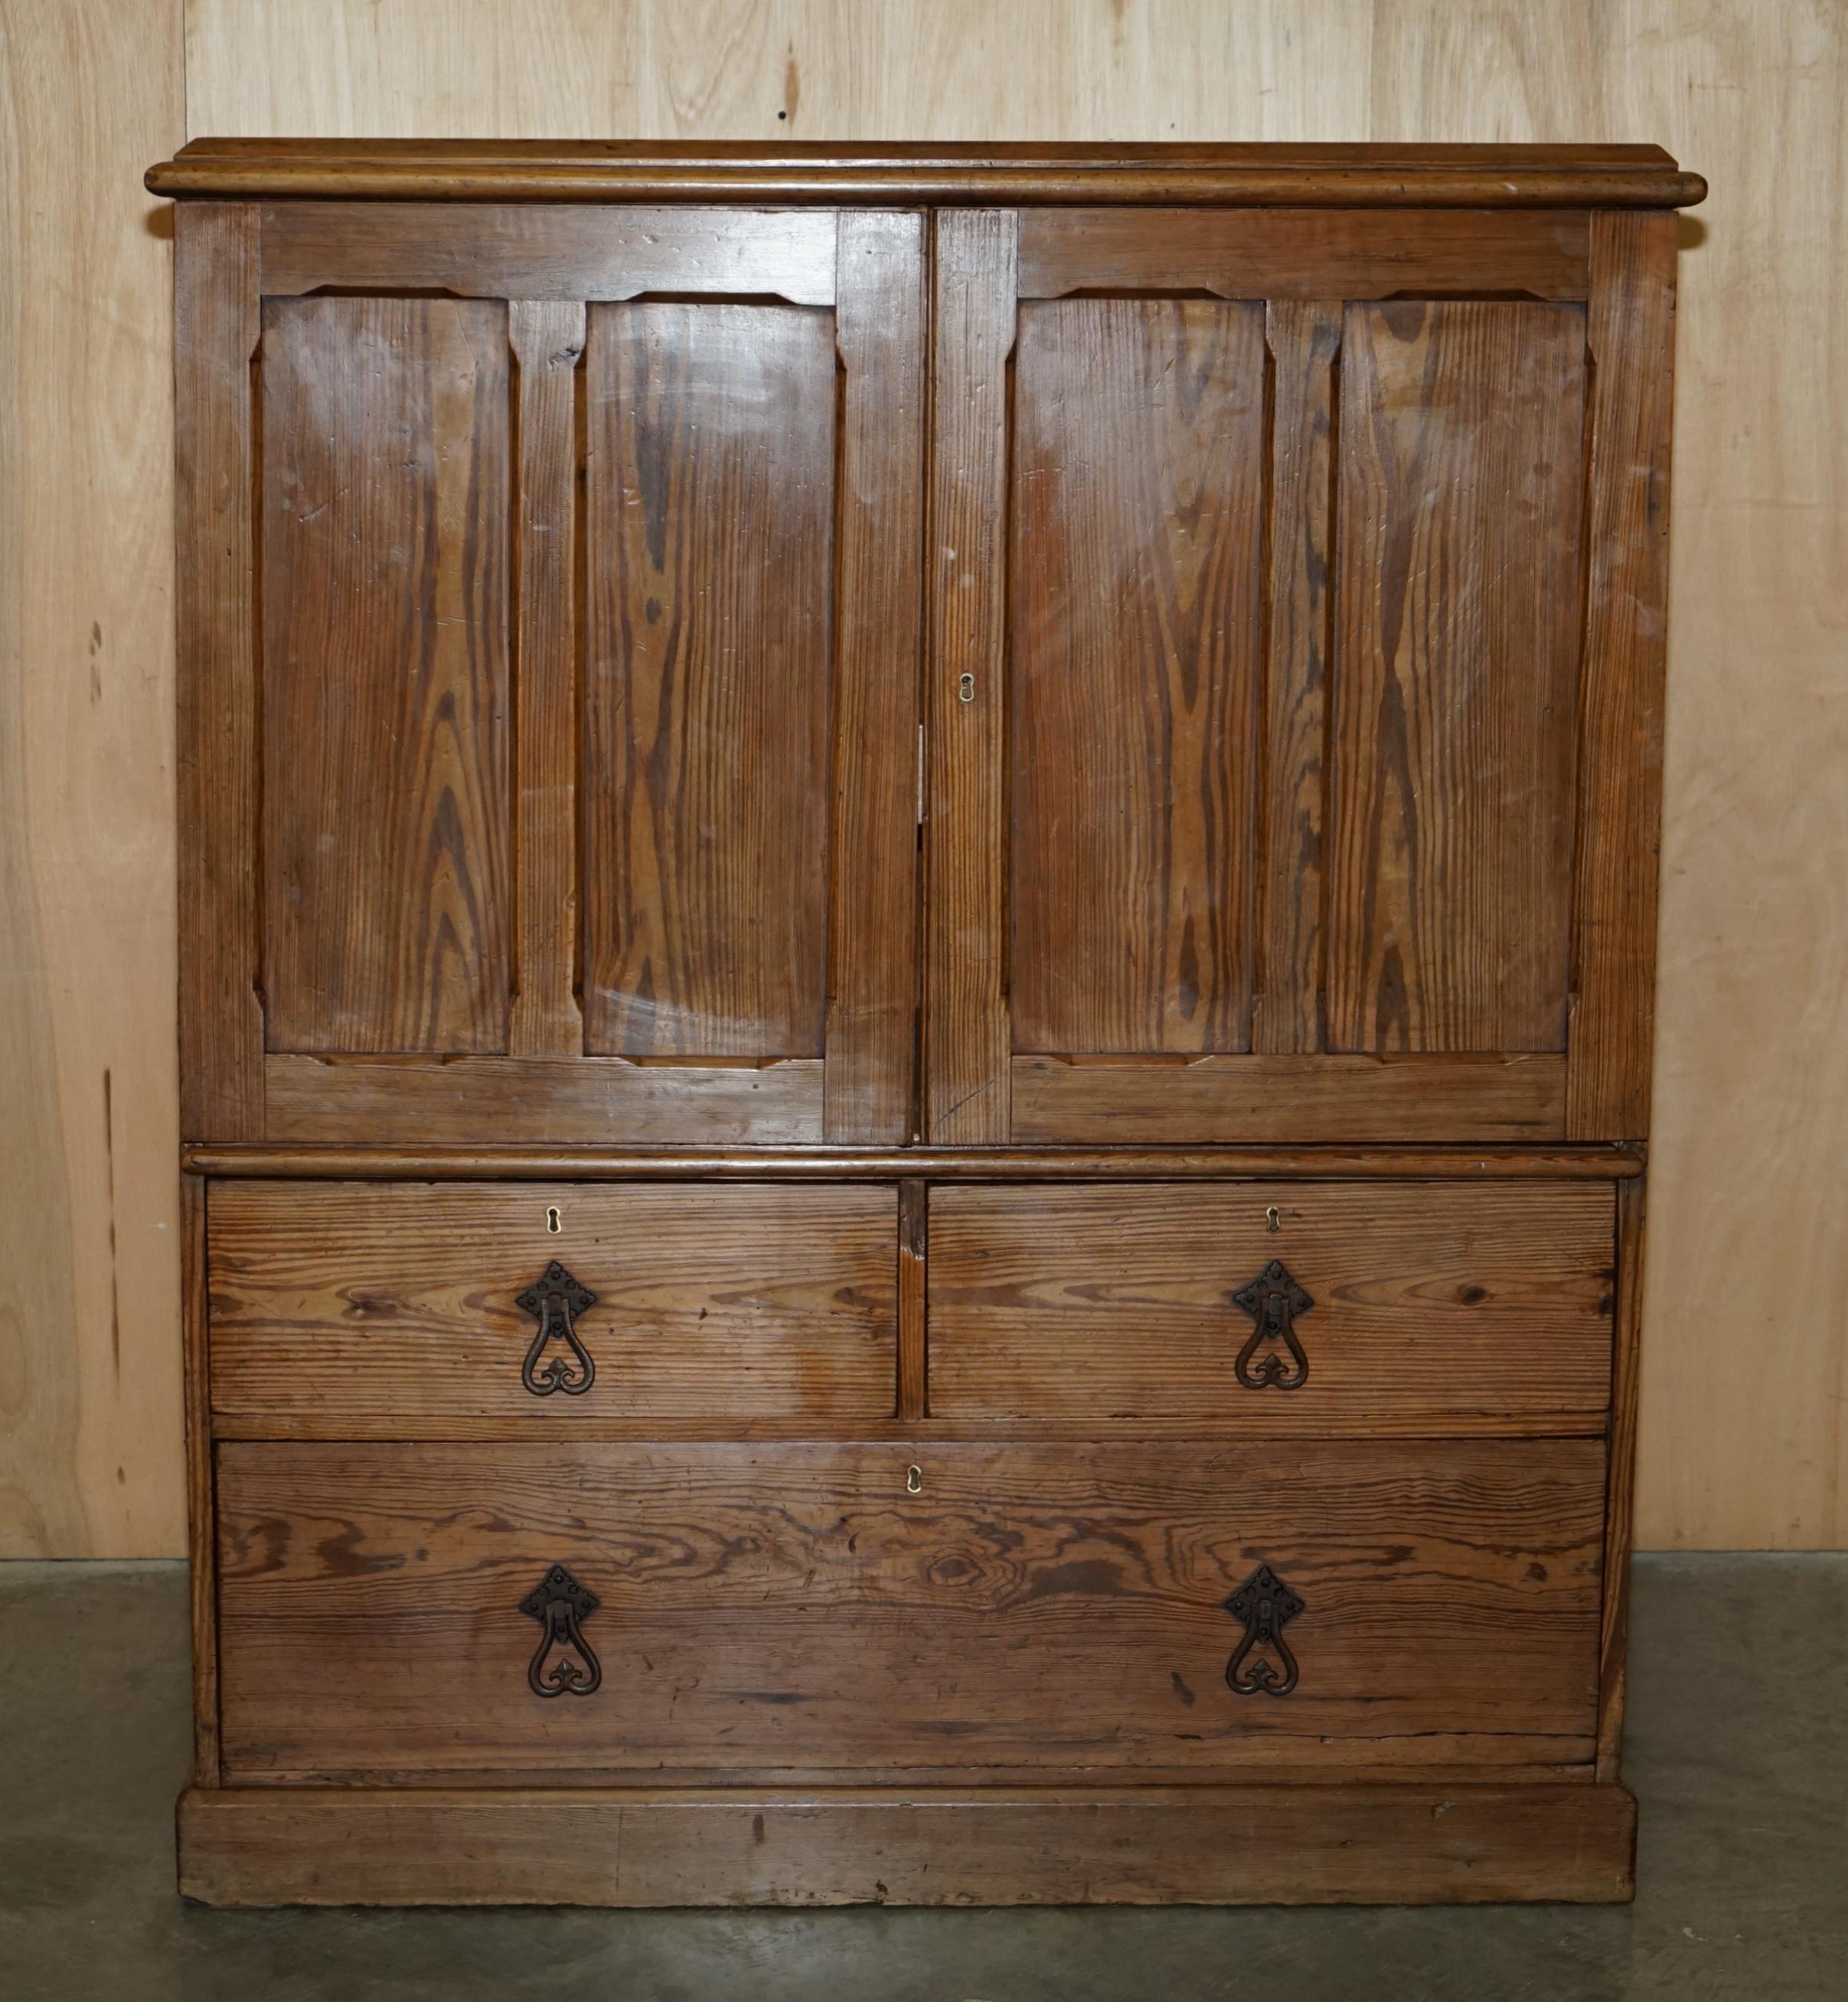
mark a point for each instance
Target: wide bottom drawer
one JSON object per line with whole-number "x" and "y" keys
{"x": 422, "y": 1608}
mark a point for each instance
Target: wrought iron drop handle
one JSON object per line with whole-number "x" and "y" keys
{"x": 554, "y": 1299}
{"x": 1264, "y": 1605}
{"x": 560, "y": 1603}
{"x": 1273, "y": 1300}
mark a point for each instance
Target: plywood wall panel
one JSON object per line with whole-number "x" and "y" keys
{"x": 1744, "y": 1420}
{"x": 90, "y": 1456}
{"x": 1745, "y": 1426}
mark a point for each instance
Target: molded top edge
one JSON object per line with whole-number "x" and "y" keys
{"x": 1601, "y": 176}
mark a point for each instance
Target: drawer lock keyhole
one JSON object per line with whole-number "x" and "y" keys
{"x": 914, "y": 1480}
{"x": 554, "y": 1223}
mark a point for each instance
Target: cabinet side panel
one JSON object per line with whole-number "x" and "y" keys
{"x": 1632, "y": 335}
{"x": 201, "y": 1522}
{"x": 386, "y": 535}
{"x": 1462, "y": 427}
{"x": 710, "y": 485}
{"x": 221, "y": 1017}
{"x": 1137, "y": 480}
{"x": 1619, "y": 1506}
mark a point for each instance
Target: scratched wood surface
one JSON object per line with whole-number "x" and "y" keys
{"x": 1220, "y": 1845}
{"x": 1433, "y": 1306}
{"x": 880, "y": 335}
{"x": 966, "y": 1037}
{"x": 350, "y": 1311}
{"x": 794, "y": 1604}
{"x": 1457, "y": 625}
{"x": 386, "y": 811}
{"x": 709, "y": 485}
{"x": 547, "y": 338}
{"x": 1303, "y": 340}
{"x": 1136, "y": 582}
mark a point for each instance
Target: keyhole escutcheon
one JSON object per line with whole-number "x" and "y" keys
{"x": 554, "y": 1223}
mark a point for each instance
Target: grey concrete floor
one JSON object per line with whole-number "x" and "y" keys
{"x": 1738, "y": 1747}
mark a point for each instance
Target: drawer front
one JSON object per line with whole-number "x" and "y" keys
{"x": 365, "y": 1308}
{"x": 1380, "y": 1306}
{"x": 389, "y": 1608}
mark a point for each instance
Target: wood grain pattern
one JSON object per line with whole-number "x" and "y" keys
{"x": 202, "y": 1566}
{"x": 1135, "y": 585}
{"x": 90, "y": 1462}
{"x": 1206, "y": 1845}
{"x": 355, "y": 1311}
{"x": 1753, "y": 1085}
{"x": 1432, "y": 1302}
{"x": 385, "y": 496}
{"x": 1619, "y": 1506}
{"x": 1214, "y": 1101}
{"x": 547, "y": 339}
{"x": 914, "y": 1222}
{"x": 1152, "y": 176}
{"x": 566, "y": 255}
{"x": 564, "y": 1101}
{"x": 869, "y": 1095}
{"x": 1631, "y": 332}
{"x": 465, "y": 1163}
{"x": 793, "y": 1604}
{"x": 710, "y": 491}
{"x": 966, "y": 1035}
{"x": 1749, "y": 1122}
{"x": 1450, "y": 847}
{"x": 216, "y": 334}
{"x": 1311, "y": 255}
{"x": 1304, "y": 340}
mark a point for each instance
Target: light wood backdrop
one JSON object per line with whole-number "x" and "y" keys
{"x": 1745, "y": 1392}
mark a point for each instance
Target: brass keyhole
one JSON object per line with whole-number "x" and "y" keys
{"x": 965, "y": 688}
{"x": 1273, "y": 1218}
{"x": 914, "y": 1480}
{"x": 554, "y": 1223}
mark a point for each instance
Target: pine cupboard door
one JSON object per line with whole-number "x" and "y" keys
{"x": 1295, "y": 678}
{"x": 550, "y": 630}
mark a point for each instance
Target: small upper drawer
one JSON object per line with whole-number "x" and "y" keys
{"x": 372, "y": 1309}
{"x": 1378, "y": 1306}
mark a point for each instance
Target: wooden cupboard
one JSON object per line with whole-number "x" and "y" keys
{"x": 918, "y": 907}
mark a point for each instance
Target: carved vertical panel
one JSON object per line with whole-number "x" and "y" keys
{"x": 1137, "y": 480}
{"x": 1462, "y": 485}
{"x": 384, "y": 640}
{"x": 711, "y": 500}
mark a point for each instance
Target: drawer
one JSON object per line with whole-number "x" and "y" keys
{"x": 1374, "y": 1306}
{"x": 379, "y": 1309}
{"x": 385, "y": 1609}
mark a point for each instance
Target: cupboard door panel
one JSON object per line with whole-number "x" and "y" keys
{"x": 1453, "y": 691}
{"x": 384, "y": 677}
{"x": 1136, "y": 491}
{"x": 710, "y": 493}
